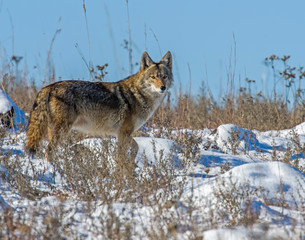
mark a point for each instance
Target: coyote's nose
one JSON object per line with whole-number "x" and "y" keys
{"x": 163, "y": 88}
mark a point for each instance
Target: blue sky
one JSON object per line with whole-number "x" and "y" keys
{"x": 198, "y": 33}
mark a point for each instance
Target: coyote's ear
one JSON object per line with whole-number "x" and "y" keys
{"x": 146, "y": 61}
{"x": 167, "y": 59}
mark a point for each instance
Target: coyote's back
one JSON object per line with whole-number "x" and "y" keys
{"x": 100, "y": 108}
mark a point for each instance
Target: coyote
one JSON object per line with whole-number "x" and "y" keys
{"x": 100, "y": 108}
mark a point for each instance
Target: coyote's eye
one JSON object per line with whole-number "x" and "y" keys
{"x": 152, "y": 77}
{"x": 165, "y": 76}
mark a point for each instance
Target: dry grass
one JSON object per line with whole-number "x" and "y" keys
{"x": 243, "y": 110}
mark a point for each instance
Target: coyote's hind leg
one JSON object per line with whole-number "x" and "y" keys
{"x": 56, "y": 133}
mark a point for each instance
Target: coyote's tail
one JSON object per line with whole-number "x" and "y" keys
{"x": 38, "y": 122}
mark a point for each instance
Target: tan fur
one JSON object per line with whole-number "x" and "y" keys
{"x": 100, "y": 108}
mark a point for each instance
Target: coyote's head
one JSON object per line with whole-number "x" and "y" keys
{"x": 157, "y": 76}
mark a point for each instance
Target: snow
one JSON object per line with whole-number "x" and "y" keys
{"x": 227, "y": 133}
{"x": 233, "y": 172}
{"x": 6, "y": 104}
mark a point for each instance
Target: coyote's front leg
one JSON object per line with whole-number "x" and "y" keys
{"x": 127, "y": 148}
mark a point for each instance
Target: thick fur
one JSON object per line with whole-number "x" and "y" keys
{"x": 100, "y": 108}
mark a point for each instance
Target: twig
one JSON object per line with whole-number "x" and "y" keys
{"x": 85, "y": 12}
{"x": 113, "y": 41}
{"x": 157, "y": 41}
{"x": 83, "y": 58}
{"x": 129, "y": 42}
{"x": 50, "y": 49}
{"x": 190, "y": 76}
{"x": 13, "y": 34}
{"x": 1, "y": 5}
{"x": 145, "y": 33}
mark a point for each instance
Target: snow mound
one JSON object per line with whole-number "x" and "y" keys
{"x": 232, "y": 139}
{"x": 6, "y": 104}
{"x": 260, "y": 231}
{"x": 300, "y": 129}
{"x": 278, "y": 180}
{"x": 153, "y": 149}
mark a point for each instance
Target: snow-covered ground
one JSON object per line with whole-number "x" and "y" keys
{"x": 229, "y": 183}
